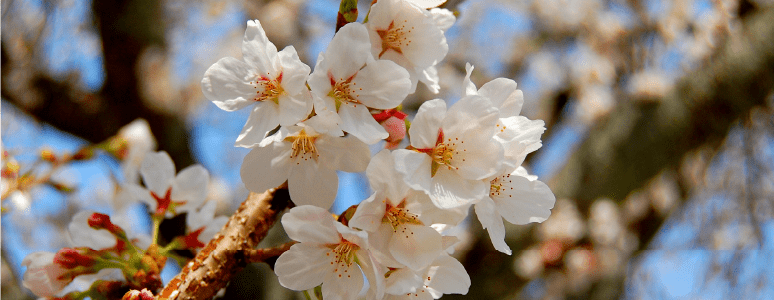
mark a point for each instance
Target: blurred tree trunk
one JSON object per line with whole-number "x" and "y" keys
{"x": 639, "y": 139}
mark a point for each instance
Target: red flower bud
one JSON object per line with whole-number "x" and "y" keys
{"x": 102, "y": 221}
{"x": 70, "y": 258}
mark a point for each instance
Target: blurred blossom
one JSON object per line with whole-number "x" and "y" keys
{"x": 604, "y": 223}
{"x": 565, "y": 15}
{"x": 549, "y": 72}
{"x": 565, "y": 223}
{"x": 610, "y": 261}
{"x": 733, "y": 237}
{"x": 649, "y": 84}
{"x": 139, "y": 141}
{"x": 664, "y": 192}
{"x": 220, "y": 192}
{"x": 529, "y": 264}
{"x": 589, "y": 67}
{"x": 595, "y": 101}
{"x": 581, "y": 265}
{"x": 635, "y": 207}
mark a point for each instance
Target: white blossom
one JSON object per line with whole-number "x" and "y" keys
{"x": 183, "y": 192}
{"x": 275, "y": 82}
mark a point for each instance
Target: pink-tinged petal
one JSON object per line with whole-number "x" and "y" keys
{"x": 414, "y": 167}
{"x": 525, "y": 201}
{"x": 424, "y": 128}
{"x": 403, "y": 281}
{"x": 442, "y": 17}
{"x": 492, "y": 221}
{"x": 42, "y": 275}
{"x": 294, "y": 72}
{"x": 381, "y": 84}
{"x": 384, "y": 178}
{"x": 157, "y": 172}
{"x": 294, "y": 109}
{"x": 415, "y": 245}
{"x": 82, "y": 235}
{"x": 303, "y": 266}
{"x": 266, "y": 167}
{"x": 347, "y": 53}
{"x": 259, "y": 52}
{"x": 504, "y": 95}
{"x": 343, "y": 285}
{"x": 374, "y": 273}
{"x": 309, "y": 184}
{"x": 449, "y": 190}
{"x": 229, "y": 84}
{"x": 369, "y": 214}
{"x": 447, "y": 275}
{"x": 346, "y": 154}
{"x": 265, "y": 117}
{"x": 310, "y": 224}
{"x": 357, "y": 237}
{"x": 190, "y": 186}
{"x": 356, "y": 120}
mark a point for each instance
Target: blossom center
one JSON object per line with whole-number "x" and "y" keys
{"x": 343, "y": 256}
{"x": 398, "y": 215}
{"x": 394, "y": 37}
{"x": 497, "y": 186}
{"x": 344, "y": 91}
{"x": 443, "y": 152}
{"x": 303, "y": 146}
{"x": 270, "y": 90}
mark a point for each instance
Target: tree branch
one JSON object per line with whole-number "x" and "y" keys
{"x": 231, "y": 249}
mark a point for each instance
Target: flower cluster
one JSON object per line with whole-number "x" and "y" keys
{"x": 465, "y": 155}
{"x": 108, "y": 256}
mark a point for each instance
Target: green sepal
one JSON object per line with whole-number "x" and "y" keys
{"x": 347, "y": 13}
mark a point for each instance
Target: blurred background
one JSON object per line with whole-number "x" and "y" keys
{"x": 659, "y": 142}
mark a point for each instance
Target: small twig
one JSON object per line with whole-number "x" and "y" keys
{"x": 261, "y": 255}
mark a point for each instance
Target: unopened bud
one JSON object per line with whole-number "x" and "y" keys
{"x": 102, "y": 221}
{"x": 70, "y": 258}
{"x": 84, "y": 153}
{"x": 145, "y": 294}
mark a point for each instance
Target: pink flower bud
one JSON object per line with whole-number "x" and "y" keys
{"x": 70, "y": 258}
{"x": 102, "y": 221}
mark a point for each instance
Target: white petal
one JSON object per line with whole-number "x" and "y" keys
{"x": 83, "y": 235}
{"x": 259, "y": 52}
{"x": 478, "y": 157}
{"x": 448, "y": 276}
{"x": 344, "y": 287}
{"x": 449, "y": 190}
{"x": 325, "y": 122}
{"x": 519, "y": 137}
{"x": 369, "y": 214}
{"x": 133, "y": 192}
{"x": 346, "y": 154}
{"x": 294, "y": 109}
{"x": 266, "y": 167}
{"x": 265, "y": 117}
{"x": 403, "y": 281}
{"x": 504, "y": 95}
{"x": 358, "y": 121}
{"x": 381, "y": 84}
{"x": 228, "y": 84}
{"x": 492, "y": 221}
{"x": 525, "y": 201}
{"x": 443, "y": 18}
{"x": 428, "y": 44}
{"x": 157, "y": 172}
{"x": 424, "y": 128}
{"x": 348, "y": 52}
{"x": 309, "y": 184}
{"x": 415, "y": 245}
{"x": 303, "y": 267}
{"x": 470, "y": 88}
{"x": 190, "y": 185}
{"x": 379, "y": 245}
{"x": 429, "y": 77}
{"x": 471, "y": 113}
{"x": 199, "y": 218}
{"x": 384, "y": 178}
{"x": 310, "y": 224}
{"x": 294, "y": 71}
{"x": 414, "y": 167}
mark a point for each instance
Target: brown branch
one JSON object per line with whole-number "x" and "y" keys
{"x": 231, "y": 249}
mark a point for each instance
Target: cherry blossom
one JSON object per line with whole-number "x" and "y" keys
{"x": 518, "y": 135}
{"x": 445, "y": 275}
{"x": 44, "y": 277}
{"x": 328, "y": 253}
{"x": 452, "y": 152}
{"x": 203, "y": 225}
{"x": 404, "y": 33}
{"x": 275, "y": 82}
{"x": 166, "y": 193}
{"x": 307, "y": 159}
{"x": 393, "y": 218}
{"x": 348, "y": 80}
{"x": 517, "y": 197}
